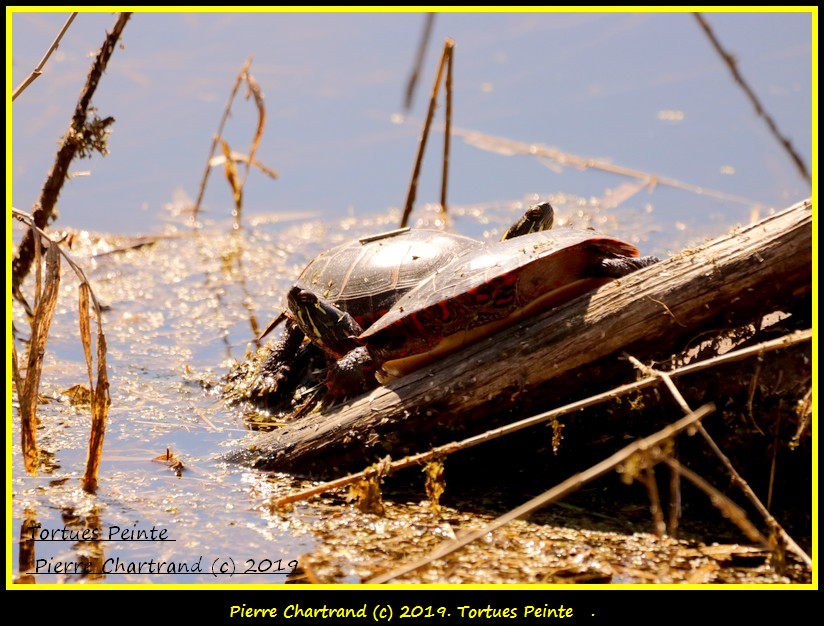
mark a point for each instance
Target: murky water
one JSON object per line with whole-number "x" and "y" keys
{"x": 184, "y": 307}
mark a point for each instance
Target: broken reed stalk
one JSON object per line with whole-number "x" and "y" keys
{"x": 82, "y": 137}
{"x": 541, "y": 418}
{"x": 416, "y": 69}
{"x": 447, "y": 133}
{"x": 45, "y": 301}
{"x": 237, "y": 184}
{"x": 218, "y": 135}
{"x": 38, "y": 71}
{"x": 99, "y": 391}
{"x": 651, "y": 485}
{"x": 502, "y": 145}
{"x": 413, "y": 183}
{"x": 727, "y": 507}
{"x": 559, "y": 491}
{"x": 737, "y": 479}
{"x": 729, "y": 60}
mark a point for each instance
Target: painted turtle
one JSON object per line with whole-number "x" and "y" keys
{"x": 359, "y": 282}
{"x": 483, "y": 290}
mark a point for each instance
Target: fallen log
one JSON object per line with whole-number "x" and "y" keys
{"x": 737, "y": 278}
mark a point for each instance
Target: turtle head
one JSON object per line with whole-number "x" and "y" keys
{"x": 538, "y": 217}
{"x": 322, "y": 322}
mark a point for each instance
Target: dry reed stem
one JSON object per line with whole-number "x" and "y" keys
{"x": 651, "y": 485}
{"x": 413, "y": 183}
{"x": 559, "y": 491}
{"x": 237, "y": 184}
{"x": 71, "y": 144}
{"x": 541, "y": 418}
{"x": 44, "y": 305}
{"x": 731, "y": 63}
{"x": 502, "y": 145}
{"x": 99, "y": 392}
{"x": 216, "y": 138}
{"x": 253, "y": 89}
{"x": 38, "y": 70}
{"x": 727, "y": 507}
{"x": 230, "y": 170}
{"x": 416, "y": 69}
{"x": 447, "y": 133}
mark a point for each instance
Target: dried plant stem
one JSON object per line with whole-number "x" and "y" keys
{"x": 737, "y": 479}
{"x": 654, "y": 500}
{"x": 508, "y": 147}
{"x": 38, "y": 71}
{"x": 254, "y": 89}
{"x": 447, "y": 133}
{"x": 218, "y": 135}
{"x": 27, "y": 388}
{"x": 29, "y": 219}
{"x": 674, "y": 512}
{"x": 413, "y": 183}
{"x": 416, "y": 70}
{"x": 731, "y": 63}
{"x": 99, "y": 391}
{"x": 559, "y": 491}
{"x": 72, "y": 143}
{"x": 728, "y": 508}
{"x": 542, "y": 418}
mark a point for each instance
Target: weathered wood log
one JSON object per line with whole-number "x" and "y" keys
{"x": 737, "y": 278}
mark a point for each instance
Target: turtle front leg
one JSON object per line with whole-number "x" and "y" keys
{"x": 351, "y": 375}
{"x": 618, "y": 267}
{"x": 277, "y": 375}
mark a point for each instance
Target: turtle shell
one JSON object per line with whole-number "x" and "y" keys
{"x": 365, "y": 277}
{"x": 488, "y": 288}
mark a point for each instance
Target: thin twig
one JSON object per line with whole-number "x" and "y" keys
{"x": 38, "y": 71}
{"x": 568, "y": 486}
{"x": 449, "y": 448}
{"x": 413, "y": 183}
{"x": 731, "y": 63}
{"x": 416, "y": 69}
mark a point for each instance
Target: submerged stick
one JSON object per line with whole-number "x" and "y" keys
{"x": 559, "y": 491}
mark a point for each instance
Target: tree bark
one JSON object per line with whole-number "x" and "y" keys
{"x": 735, "y": 279}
